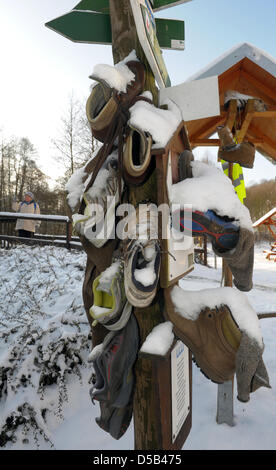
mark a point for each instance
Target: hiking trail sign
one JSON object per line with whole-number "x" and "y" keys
{"x": 89, "y": 22}
{"x": 94, "y": 28}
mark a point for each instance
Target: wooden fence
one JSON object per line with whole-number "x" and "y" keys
{"x": 67, "y": 241}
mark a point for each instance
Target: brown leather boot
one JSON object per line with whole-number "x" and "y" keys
{"x": 213, "y": 338}
{"x": 243, "y": 153}
{"x": 103, "y": 102}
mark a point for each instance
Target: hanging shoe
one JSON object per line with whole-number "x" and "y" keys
{"x": 137, "y": 156}
{"x": 101, "y": 108}
{"x": 98, "y": 225}
{"x": 102, "y": 104}
{"x": 115, "y": 421}
{"x": 115, "y": 364}
{"x": 222, "y": 231}
{"x": 213, "y": 338}
{"x": 110, "y": 306}
{"x": 184, "y": 165}
{"x": 243, "y": 153}
{"x": 142, "y": 257}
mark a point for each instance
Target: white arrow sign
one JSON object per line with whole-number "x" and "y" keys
{"x": 146, "y": 31}
{"x": 198, "y": 99}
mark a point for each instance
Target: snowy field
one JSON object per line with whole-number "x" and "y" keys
{"x": 45, "y": 376}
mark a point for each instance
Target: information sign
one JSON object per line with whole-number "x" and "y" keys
{"x": 146, "y": 31}
{"x": 180, "y": 383}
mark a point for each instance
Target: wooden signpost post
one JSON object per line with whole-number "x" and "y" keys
{"x": 163, "y": 390}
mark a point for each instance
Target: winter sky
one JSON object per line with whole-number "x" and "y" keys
{"x": 39, "y": 68}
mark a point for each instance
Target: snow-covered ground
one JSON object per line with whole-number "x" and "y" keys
{"x": 45, "y": 342}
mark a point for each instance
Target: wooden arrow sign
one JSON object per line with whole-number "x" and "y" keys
{"x": 95, "y": 28}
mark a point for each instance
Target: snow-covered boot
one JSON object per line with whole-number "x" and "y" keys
{"x": 137, "y": 156}
{"x": 104, "y": 102}
{"x": 142, "y": 257}
{"x": 213, "y": 338}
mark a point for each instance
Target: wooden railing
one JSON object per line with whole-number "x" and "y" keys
{"x": 57, "y": 240}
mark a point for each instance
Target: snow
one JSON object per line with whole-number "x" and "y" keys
{"x": 61, "y": 218}
{"x": 222, "y": 198}
{"x": 190, "y": 306}
{"x": 240, "y": 97}
{"x": 118, "y": 76}
{"x": 160, "y": 123}
{"x": 42, "y": 317}
{"x": 77, "y": 183}
{"x": 235, "y": 55}
{"x": 159, "y": 340}
{"x": 75, "y": 187}
{"x": 146, "y": 276}
{"x": 109, "y": 273}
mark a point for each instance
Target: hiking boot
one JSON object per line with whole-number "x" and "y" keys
{"x": 115, "y": 364}
{"x": 222, "y": 231}
{"x": 137, "y": 156}
{"x": 213, "y": 338}
{"x": 110, "y": 306}
{"x": 229, "y": 150}
{"x": 142, "y": 257}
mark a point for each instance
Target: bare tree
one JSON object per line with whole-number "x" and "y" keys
{"x": 75, "y": 144}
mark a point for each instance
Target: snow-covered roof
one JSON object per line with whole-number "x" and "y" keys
{"x": 250, "y": 71}
{"x": 235, "y": 55}
{"x": 265, "y": 217}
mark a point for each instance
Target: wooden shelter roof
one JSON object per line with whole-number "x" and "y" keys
{"x": 250, "y": 71}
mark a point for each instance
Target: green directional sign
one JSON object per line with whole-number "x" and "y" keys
{"x": 170, "y": 33}
{"x": 102, "y": 6}
{"x": 93, "y": 5}
{"x": 162, "y": 4}
{"x": 83, "y": 26}
{"x": 95, "y": 28}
